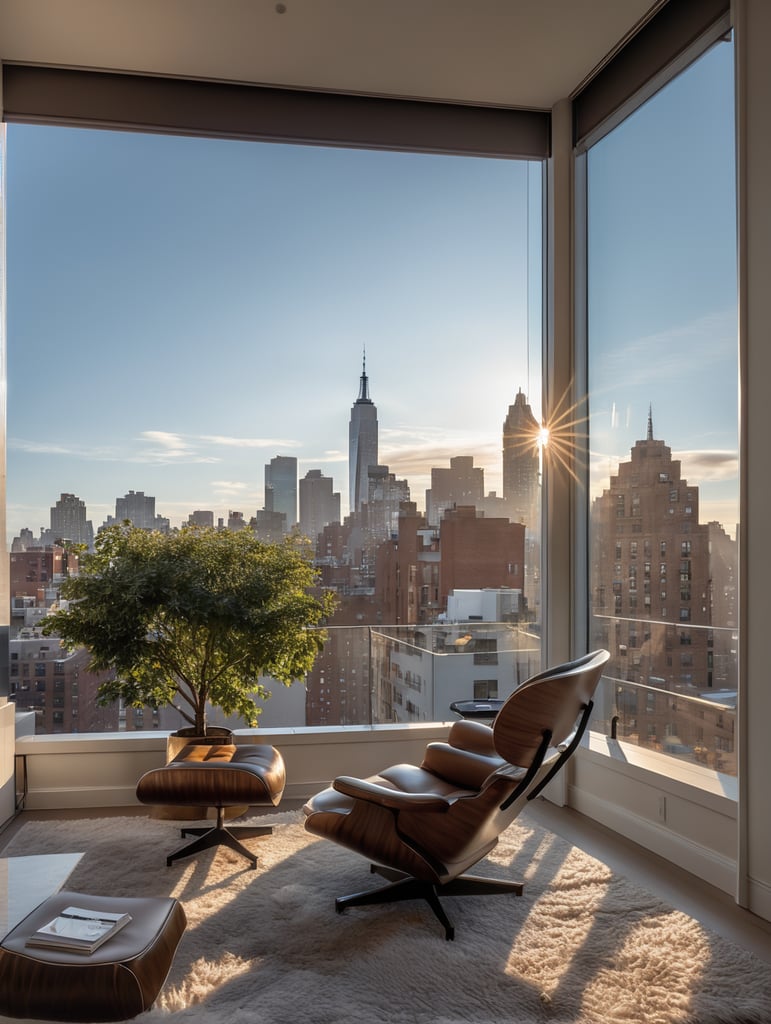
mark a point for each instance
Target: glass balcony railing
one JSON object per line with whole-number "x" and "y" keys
{"x": 667, "y": 688}
{"x": 402, "y": 674}
{"x": 696, "y": 729}
{"x": 670, "y": 687}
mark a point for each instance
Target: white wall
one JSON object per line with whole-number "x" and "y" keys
{"x": 753, "y": 32}
{"x": 7, "y": 749}
{"x": 102, "y": 770}
{"x": 683, "y": 812}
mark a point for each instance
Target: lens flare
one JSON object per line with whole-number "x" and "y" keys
{"x": 561, "y": 437}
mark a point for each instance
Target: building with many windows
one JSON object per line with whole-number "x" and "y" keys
{"x": 69, "y": 522}
{"x": 418, "y": 569}
{"x": 657, "y": 573}
{"x": 58, "y": 687}
{"x": 35, "y": 578}
{"x": 651, "y": 573}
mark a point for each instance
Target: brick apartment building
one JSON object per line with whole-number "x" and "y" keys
{"x": 665, "y": 605}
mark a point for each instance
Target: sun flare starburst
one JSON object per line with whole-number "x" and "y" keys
{"x": 560, "y": 438}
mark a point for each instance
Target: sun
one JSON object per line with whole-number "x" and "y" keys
{"x": 561, "y": 436}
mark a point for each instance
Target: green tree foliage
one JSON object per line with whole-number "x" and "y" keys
{"x": 192, "y": 616}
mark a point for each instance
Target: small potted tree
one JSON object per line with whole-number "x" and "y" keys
{"x": 192, "y": 618}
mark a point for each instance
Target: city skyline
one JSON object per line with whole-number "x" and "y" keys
{"x": 417, "y": 497}
{"x": 183, "y": 310}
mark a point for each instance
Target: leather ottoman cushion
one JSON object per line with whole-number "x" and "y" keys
{"x": 116, "y": 982}
{"x": 223, "y": 775}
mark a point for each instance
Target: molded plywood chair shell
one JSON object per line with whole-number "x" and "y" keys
{"x": 423, "y": 825}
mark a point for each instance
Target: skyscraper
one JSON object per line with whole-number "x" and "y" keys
{"x": 281, "y": 487}
{"x": 319, "y": 504}
{"x": 651, "y": 578}
{"x": 520, "y": 462}
{"x": 362, "y": 443}
{"x": 68, "y": 521}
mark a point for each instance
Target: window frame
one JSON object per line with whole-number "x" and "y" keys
{"x": 93, "y": 99}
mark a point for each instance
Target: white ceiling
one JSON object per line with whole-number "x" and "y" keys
{"x": 527, "y": 53}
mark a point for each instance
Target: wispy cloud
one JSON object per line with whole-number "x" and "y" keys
{"x": 249, "y": 442}
{"x": 330, "y": 456}
{"x": 166, "y": 447}
{"x": 672, "y": 350}
{"x": 416, "y": 451}
{"x": 231, "y": 486}
{"x": 236, "y": 494}
{"x": 708, "y": 465}
{"x": 153, "y": 447}
{"x": 96, "y": 453}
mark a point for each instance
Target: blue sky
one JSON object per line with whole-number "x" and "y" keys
{"x": 182, "y": 310}
{"x": 663, "y": 324}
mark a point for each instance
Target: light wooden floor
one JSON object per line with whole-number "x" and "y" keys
{"x": 714, "y": 909}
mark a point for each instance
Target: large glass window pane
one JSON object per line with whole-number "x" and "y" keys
{"x": 663, "y": 384}
{"x": 343, "y": 344}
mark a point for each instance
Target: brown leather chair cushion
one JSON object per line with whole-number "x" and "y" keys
{"x": 119, "y": 980}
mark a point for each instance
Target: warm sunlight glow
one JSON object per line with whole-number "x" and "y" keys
{"x": 561, "y": 436}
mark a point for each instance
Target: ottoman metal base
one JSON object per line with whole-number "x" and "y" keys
{"x": 218, "y": 835}
{"x": 222, "y": 776}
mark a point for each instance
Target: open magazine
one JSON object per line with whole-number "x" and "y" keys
{"x": 76, "y": 930}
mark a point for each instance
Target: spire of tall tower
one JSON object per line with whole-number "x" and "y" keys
{"x": 364, "y": 381}
{"x": 650, "y": 424}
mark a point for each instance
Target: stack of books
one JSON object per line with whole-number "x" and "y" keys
{"x": 76, "y": 930}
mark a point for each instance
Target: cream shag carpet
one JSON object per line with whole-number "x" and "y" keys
{"x": 266, "y": 946}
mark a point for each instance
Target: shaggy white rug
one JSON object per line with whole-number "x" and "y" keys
{"x": 581, "y": 945}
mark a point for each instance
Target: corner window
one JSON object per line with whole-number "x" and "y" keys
{"x": 662, "y": 308}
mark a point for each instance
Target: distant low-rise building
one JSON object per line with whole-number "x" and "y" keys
{"x": 139, "y": 509}
{"x": 201, "y": 517}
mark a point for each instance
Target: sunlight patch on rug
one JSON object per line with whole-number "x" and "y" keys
{"x": 204, "y": 978}
{"x": 265, "y": 946}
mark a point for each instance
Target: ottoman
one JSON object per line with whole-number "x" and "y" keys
{"x": 116, "y": 982}
{"x": 220, "y": 776}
